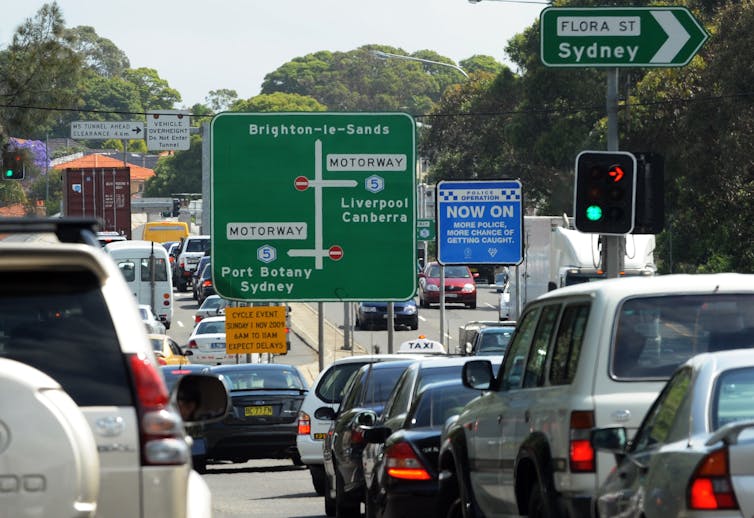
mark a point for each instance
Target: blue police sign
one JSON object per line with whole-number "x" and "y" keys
{"x": 479, "y": 222}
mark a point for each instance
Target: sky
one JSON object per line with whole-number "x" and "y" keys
{"x": 199, "y": 46}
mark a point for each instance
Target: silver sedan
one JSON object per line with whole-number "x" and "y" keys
{"x": 694, "y": 453}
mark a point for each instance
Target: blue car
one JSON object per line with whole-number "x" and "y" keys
{"x": 373, "y": 315}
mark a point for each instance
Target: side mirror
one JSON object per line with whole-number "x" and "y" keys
{"x": 612, "y": 439}
{"x": 478, "y": 375}
{"x": 325, "y": 413}
{"x": 201, "y": 398}
{"x": 367, "y": 418}
{"x": 188, "y": 352}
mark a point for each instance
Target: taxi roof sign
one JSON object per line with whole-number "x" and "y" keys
{"x": 422, "y": 345}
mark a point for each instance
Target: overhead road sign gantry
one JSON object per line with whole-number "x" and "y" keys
{"x": 619, "y": 36}
{"x": 106, "y": 130}
{"x": 314, "y": 206}
{"x": 480, "y": 222}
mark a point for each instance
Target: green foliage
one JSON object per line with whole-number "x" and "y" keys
{"x": 181, "y": 172}
{"x": 99, "y": 54}
{"x": 278, "y": 102}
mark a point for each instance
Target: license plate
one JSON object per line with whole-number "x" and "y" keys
{"x": 257, "y": 410}
{"x": 320, "y": 436}
{"x": 451, "y": 295}
{"x": 217, "y": 345}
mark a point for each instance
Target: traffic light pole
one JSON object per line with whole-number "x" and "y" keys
{"x": 613, "y": 247}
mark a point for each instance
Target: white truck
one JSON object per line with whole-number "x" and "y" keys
{"x": 556, "y": 255}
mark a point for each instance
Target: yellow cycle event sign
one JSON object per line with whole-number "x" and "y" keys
{"x": 259, "y": 329}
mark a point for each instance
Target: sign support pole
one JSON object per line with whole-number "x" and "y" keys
{"x": 613, "y": 247}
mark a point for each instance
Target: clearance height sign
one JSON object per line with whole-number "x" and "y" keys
{"x": 313, "y": 206}
{"x": 255, "y": 330}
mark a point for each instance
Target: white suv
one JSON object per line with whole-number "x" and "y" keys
{"x": 68, "y": 315}
{"x": 187, "y": 256}
{"x": 585, "y": 356}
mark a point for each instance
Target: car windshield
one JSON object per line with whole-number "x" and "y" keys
{"x": 654, "y": 335}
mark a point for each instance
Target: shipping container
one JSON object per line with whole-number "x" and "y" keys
{"x": 100, "y": 192}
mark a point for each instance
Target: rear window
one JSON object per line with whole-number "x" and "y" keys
{"x": 654, "y": 335}
{"x": 197, "y": 245}
{"x": 58, "y": 322}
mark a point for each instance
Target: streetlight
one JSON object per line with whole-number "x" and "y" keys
{"x": 388, "y": 55}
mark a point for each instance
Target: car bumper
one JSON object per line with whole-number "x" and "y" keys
{"x": 380, "y": 319}
{"x": 310, "y": 449}
{"x": 265, "y": 442}
{"x": 433, "y": 297}
{"x": 410, "y": 500}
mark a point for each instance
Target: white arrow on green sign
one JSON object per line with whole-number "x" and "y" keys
{"x": 619, "y": 37}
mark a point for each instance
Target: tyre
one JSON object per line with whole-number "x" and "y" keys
{"x": 422, "y": 302}
{"x": 200, "y": 464}
{"x": 472, "y": 305}
{"x": 539, "y": 504}
{"x": 329, "y": 501}
{"x": 319, "y": 480}
{"x": 414, "y": 325}
{"x": 182, "y": 285}
{"x": 346, "y": 506}
{"x": 296, "y": 458}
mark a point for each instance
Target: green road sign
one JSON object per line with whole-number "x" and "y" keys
{"x": 425, "y": 230}
{"x": 619, "y": 37}
{"x": 313, "y": 206}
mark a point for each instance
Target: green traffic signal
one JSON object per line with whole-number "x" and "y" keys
{"x": 594, "y": 213}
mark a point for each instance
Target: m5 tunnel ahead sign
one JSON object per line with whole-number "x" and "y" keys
{"x": 314, "y": 206}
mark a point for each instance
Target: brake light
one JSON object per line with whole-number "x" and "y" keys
{"x": 160, "y": 427}
{"x": 304, "y": 424}
{"x": 192, "y": 345}
{"x": 710, "y": 487}
{"x": 403, "y": 463}
{"x": 581, "y": 453}
{"x": 197, "y": 318}
{"x": 357, "y": 436}
{"x": 207, "y": 284}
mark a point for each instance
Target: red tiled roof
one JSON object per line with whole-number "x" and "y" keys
{"x": 15, "y": 210}
{"x": 96, "y": 160}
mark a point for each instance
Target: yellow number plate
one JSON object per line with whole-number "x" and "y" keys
{"x": 320, "y": 436}
{"x": 258, "y": 410}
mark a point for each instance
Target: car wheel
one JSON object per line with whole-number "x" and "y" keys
{"x": 182, "y": 285}
{"x": 414, "y": 324}
{"x": 345, "y": 505}
{"x": 296, "y": 458}
{"x": 329, "y": 501}
{"x": 200, "y": 464}
{"x": 539, "y": 506}
{"x": 472, "y": 305}
{"x": 423, "y": 303}
{"x": 319, "y": 480}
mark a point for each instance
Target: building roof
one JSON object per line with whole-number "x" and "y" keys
{"x": 97, "y": 160}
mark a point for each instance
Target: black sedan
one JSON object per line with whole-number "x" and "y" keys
{"x": 373, "y": 315}
{"x": 262, "y": 422}
{"x": 363, "y": 399}
{"x": 400, "y": 458}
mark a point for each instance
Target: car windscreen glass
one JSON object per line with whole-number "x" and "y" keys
{"x": 58, "y": 322}
{"x": 457, "y": 272}
{"x": 654, "y": 335}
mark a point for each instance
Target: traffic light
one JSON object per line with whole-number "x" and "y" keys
{"x": 13, "y": 164}
{"x": 604, "y": 198}
{"x": 176, "y": 207}
{"x": 650, "y": 193}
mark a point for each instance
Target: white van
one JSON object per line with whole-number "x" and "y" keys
{"x": 151, "y": 286}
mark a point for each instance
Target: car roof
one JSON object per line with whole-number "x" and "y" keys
{"x": 670, "y": 284}
{"x": 721, "y": 360}
{"x": 219, "y": 318}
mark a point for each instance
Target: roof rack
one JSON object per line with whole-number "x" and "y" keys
{"x": 67, "y": 230}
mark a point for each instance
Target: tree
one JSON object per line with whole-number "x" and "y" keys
{"x": 98, "y": 54}
{"x": 155, "y": 93}
{"x": 222, "y": 99}
{"x": 181, "y": 172}
{"x": 277, "y": 102}
{"x": 38, "y": 69}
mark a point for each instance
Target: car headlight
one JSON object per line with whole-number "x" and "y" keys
{"x": 368, "y": 309}
{"x": 432, "y": 287}
{"x": 469, "y": 288}
{"x": 409, "y": 310}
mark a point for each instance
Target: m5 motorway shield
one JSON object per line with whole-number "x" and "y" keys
{"x": 619, "y": 36}
{"x": 313, "y": 206}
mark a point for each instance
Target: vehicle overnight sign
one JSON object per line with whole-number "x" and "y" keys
{"x": 479, "y": 222}
{"x": 313, "y": 206}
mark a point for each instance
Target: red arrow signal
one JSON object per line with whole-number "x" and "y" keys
{"x": 616, "y": 172}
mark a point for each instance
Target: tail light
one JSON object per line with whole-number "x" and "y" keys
{"x": 403, "y": 463}
{"x": 357, "y": 436}
{"x": 192, "y": 345}
{"x": 581, "y": 455}
{"x": 710, "y": 487}
{"x": 304, "y": 424}
{"x": 166, "y": 299}
{"x": 197, "y": 319}
{"x": 207, "y": 284}
{"x": 160, "y": 427}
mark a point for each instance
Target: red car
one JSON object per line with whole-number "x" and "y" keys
{"x": 460, "y": 287}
